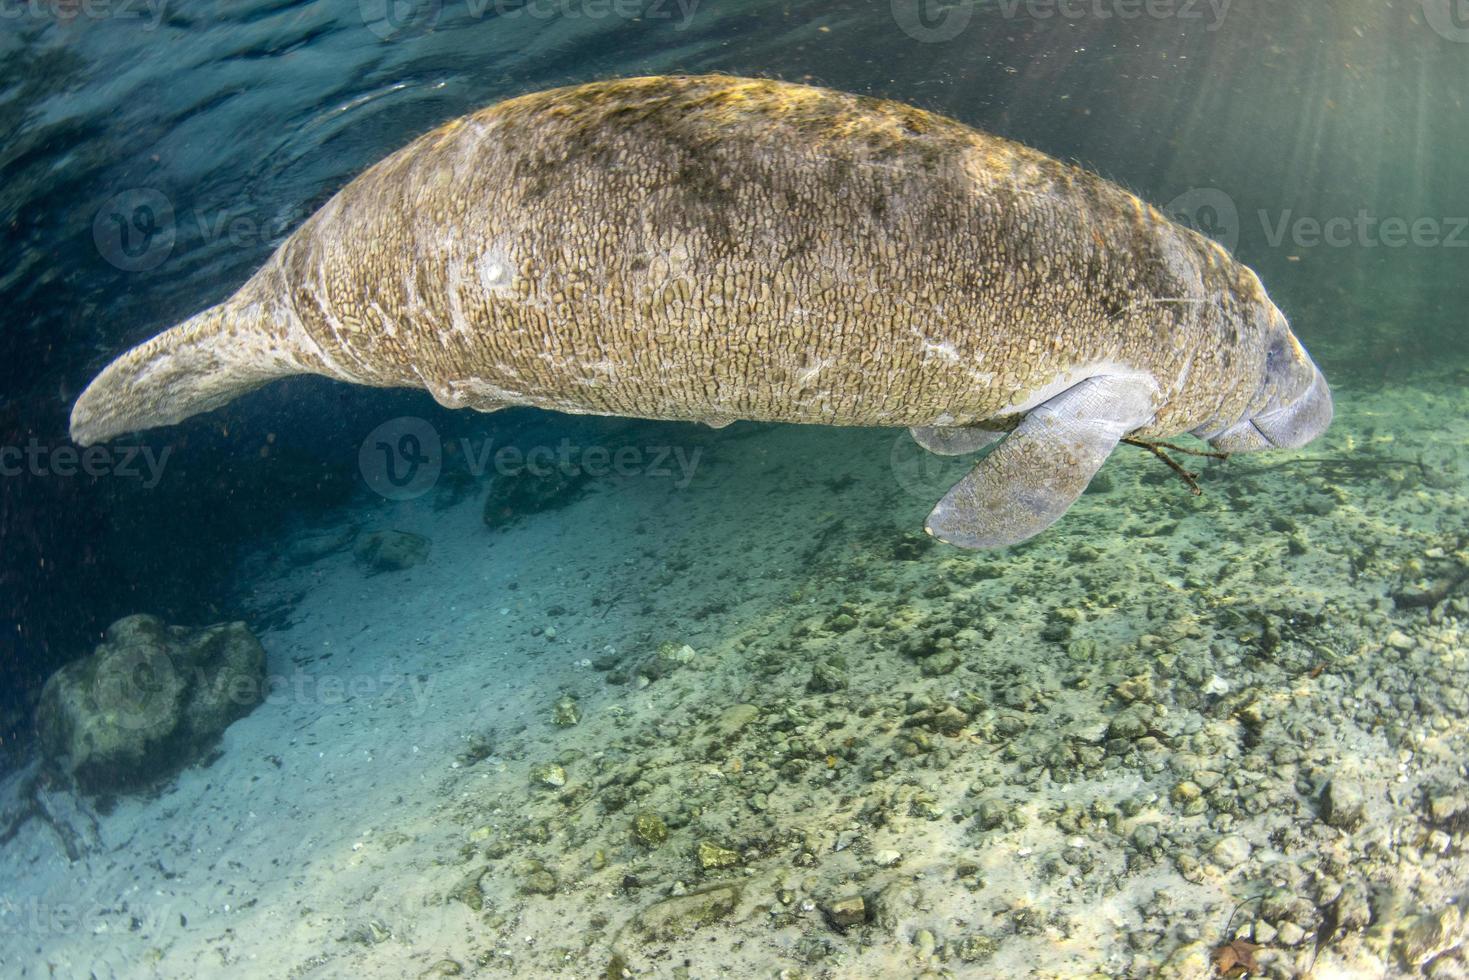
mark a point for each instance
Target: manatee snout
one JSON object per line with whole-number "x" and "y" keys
{"x": 1298, "y": 409}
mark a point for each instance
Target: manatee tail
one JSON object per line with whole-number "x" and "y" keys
{"x": 204, "y": 362}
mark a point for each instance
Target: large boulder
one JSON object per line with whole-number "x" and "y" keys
{"x": 150, "y": 699}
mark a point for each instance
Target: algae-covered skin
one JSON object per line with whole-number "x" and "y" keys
{"x": 714, "y": 248}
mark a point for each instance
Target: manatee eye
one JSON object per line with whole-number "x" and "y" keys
{"x": 1276, "y": 356}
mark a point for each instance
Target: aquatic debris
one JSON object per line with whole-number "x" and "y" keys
{"x": 1235, "y": 958}
{"x": 391, "y": 551}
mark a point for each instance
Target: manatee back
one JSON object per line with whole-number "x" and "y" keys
{"x": 712, "y": 247}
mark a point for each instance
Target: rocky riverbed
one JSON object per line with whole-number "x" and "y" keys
{"x": 760, "y": 725}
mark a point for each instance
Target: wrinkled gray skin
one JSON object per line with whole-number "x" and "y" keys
{"x": 714, "y": 248}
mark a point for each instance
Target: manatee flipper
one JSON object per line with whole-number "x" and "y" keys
{"x": 208, "y": 360}
{"x": 1026, "y": 484}
{"x": 945, "y": 440}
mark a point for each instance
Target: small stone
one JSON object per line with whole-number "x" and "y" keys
{"x": 826, "y": 678}
{"x": 1187, "y": 791}
{"x": 1138, "y": 688}
{"x": 566, "y": 713}
{"x": 1128, "y": 725}
{"x": 976, "y": 949}
{"x": 550, "y": 775}
{"x": 887, "y": 859}
{"x": 391, "y": 551}
{"x": 845, "y": 912}
{"x": 1289, "y": 934}
{"x": 1342, "y": 804}
{"x": 712, "y": 857}
{"x": 538, "y": 882}
{"x": 649, "y": 829}
{"x": 682, "y": 914}
{"x": 1230, "y": 852}
{"x": 942, "y": 663}
{"x": 1399, "y": 640}
{"x": 1449, "y": 807}
{"x": 1145, "y": 837}
{"x": 1430, "y": 935}
{"x": 991, "y": 814}
{"x": 732, "y": 719}
{"x": 443, "y": 968}
{"x": 1264, "y": 933}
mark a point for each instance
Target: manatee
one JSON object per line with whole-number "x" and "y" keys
{"x": 713, "y": 248}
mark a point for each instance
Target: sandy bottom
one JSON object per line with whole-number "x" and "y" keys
{"x": 811, "y": 743}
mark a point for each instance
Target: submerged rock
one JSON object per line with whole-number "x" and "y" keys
{"x": 150, "y": 699}
{"x": 391, "y": 551}
{"x": 845, "y": 912}
{"x": 531, "y": 491}
{"x": 712, "y": 857}
{"x": 649, "y": 829}
{"x": 566, "y": 712}
{"x": 680, "y": 915}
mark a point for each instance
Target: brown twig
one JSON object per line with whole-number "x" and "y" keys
{"x": 1189, "y": 478}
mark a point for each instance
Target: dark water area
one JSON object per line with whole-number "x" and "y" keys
{"x": 156, "y": 154}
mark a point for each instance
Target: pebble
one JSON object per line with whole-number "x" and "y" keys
{"x": 848, "y": 911}
{"x": 1230, "y": 852}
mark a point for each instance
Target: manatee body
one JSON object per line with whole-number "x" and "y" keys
{"x": 716, "y": 248}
